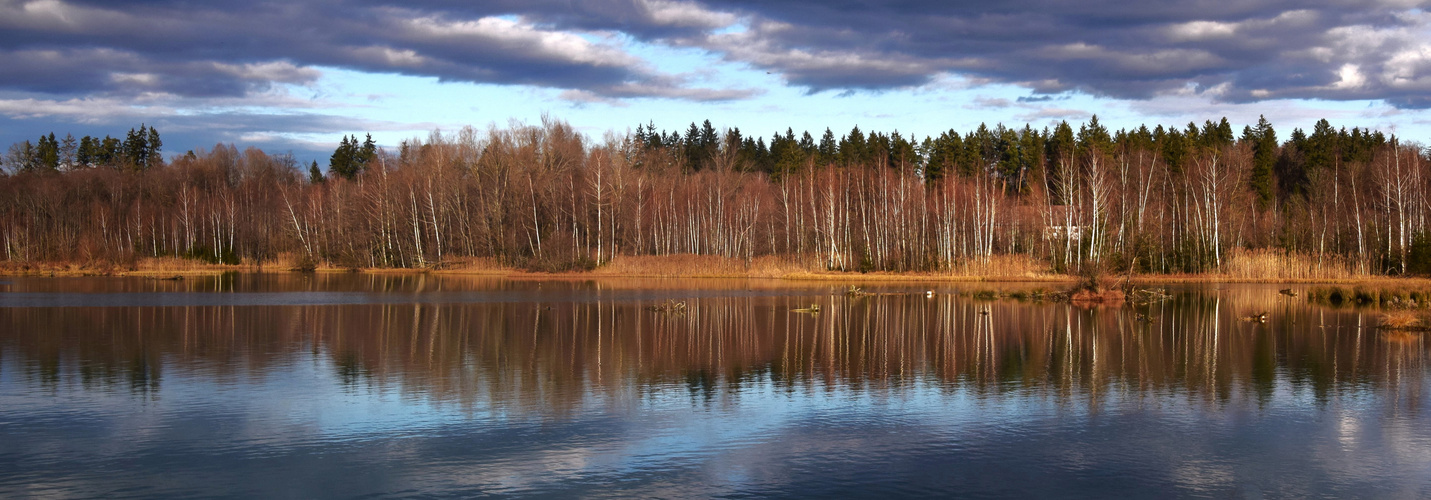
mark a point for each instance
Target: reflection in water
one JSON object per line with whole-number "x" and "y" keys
{"x": 548, "y": 357}
{"x": 587, "y": 390}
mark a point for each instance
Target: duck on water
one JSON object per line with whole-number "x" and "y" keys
{"x": 1256, "y": 318}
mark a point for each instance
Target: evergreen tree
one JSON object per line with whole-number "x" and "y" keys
{"x": 1291, "y": 169}
{"x": 852, "y": 148}
{"x": 829, "y": 150}
{"x": 315, "y": 176}
{"x": 136, "y": 148}
{"x": 709, "y": 143}
{"x": 902, "y": 154}
{"x": 1322, "y": 147}
{"x": 807, "y": 144}
{"x": 47, "y": 154}
{"x": 1264, "y": 159}
{"x": 153, "y": 147}
{"x": 982, "y": 149}
{"x": 1031, "y": 163}
{"x": 731, "y": 146}
{"x": 692, "y": 148}
{"x": 943, "y": 155}
{"x": 1175, "y": 150}
{"x": 368, "y": 153}
{"x": 786, "y": 153}
{"x": 1009, "y": 162}
{"x": 1061, "y": 155}
{"x": 344, "y": 161}
{"x": 877, "y": 150}
{"x": 1093, "y": 138}
{"x": 111, "y": 151}
{"x": 88, "y": 152}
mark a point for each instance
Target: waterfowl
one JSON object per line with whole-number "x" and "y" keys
{"x": 1288, "y": 292}
{"x": 929, "y": 294}
{"x": 1256, "y": 318}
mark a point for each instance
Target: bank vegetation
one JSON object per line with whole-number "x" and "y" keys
{"x": 1198, "y": 200}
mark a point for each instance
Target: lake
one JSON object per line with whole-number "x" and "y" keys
{"x": 369, "y": 385}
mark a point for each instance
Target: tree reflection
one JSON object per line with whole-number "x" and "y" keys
{"x": 555, "y": 357}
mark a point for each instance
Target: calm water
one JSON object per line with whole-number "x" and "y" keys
{"x": 376, "y": 386}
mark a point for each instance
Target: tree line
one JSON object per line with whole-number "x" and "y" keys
{"x": 1165, "y": 200}
{"x": 140, "y": 149}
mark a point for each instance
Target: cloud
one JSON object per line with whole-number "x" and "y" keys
{"x": 1040, "y": 98}
{"x": 984, "y": 102}
{"x": 1242, "y": 52}
{"x": 80, "y": 48}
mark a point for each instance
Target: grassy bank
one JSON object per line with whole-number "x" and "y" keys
{"x": 1242, "y": 267}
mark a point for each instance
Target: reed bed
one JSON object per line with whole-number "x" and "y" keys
{"x": 696, "y": 266}
{"x": 1278, "y": 265}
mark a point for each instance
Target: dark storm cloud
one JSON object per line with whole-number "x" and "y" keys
{"x": 233, "y": 48}
{"x": 1229, "y": 51}
{"x": 1232, "y": 51}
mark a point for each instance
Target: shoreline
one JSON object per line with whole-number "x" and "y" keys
{"x": 723, "y": 269}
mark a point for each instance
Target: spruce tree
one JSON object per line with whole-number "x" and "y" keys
{"x": 1264, "y": 158}
{"x": 111, "y": 151}
{"x": 343, "y": 159}
{"x": 369, "y": 152}
{"x": 88, "y": 151}
{"x": 152, "y": 155}
{"x": 829, "y": 149}
{"x": 47, "y": 154}
{"x": 315, "y": 176}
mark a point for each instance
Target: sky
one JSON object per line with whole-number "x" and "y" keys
{"x": 295, "y": 76}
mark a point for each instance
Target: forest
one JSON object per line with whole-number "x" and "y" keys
{"x": 1192, "y": 199}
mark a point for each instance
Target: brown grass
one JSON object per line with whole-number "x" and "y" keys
{"x": 696, "y": 266}
{"x": 1401, "y": 320}
{"x": 1256, "y": 266}
{"x": 1278, "y": 265}
{"x": 153, "y": 266}
{"x": 1087, "y": 296}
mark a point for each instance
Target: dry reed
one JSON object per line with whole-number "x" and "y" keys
{"x": 1270, "y": 264}
{"x": 695, "y": 266}
{"x": 1400, "y": 320}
